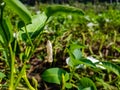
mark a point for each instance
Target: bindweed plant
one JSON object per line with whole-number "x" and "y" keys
{"x": 71, "y": 80}
{"x": 21, "y": 42}
{"x": 76, "y": 77}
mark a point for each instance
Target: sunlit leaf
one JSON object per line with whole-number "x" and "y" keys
{"x": 20, "y": 9}
{"x": 53, "y": 75}
{"x": 77, "y": 54}
{"x": 34, "y": 29}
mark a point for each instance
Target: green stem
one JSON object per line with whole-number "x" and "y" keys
{"x": 101, "y": 45}
{"x": 23, "y": 68}
{"x": 72, "y": 73}
{"x": 83, "y": 42}
{"x": 12, "y": 68}
{"x": 110, "y": 79}
{"x": 20, "y": 76}
{"x": 90, "y": 49}
{"x": 114, "y": 38}
{"x": 23, "y": 73}
{"x": 34, "y": 81}
{"x": 28, "y": 36}
{"x": 27, "y": 81}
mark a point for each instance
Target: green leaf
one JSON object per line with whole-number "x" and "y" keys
{"x": 20, "y": 9}
{"x": 86, "y": 84}
{"x": 87, "y": 62}
{"x": 82, "y": 61}
{"x": 54, "y": 9}
{"x": 53, "y": 75}
{"x": 34, "y": 29}
{"x": 66, "y": 76}
{"x": 77, "y": 54}
{"x": 75, "y": 50}
{"x": 68, "y": 85}
{"x": 8, "y": 29}
{"x": 112, "y": 67}
{"x": 6, "y": 33}
{"x": 75, "y": 46}
{"x": 3, "y": 40}
{"x": 2, "y": 75}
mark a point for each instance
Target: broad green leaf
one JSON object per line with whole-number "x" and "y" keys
{"x": 8, "y": 29}
{"x": 54, "y": 9}
{"x": 34, "y": 29}
{"x": 6, "y": 34}
{"x": 53, "y": 75}
{"x": 112, "y": 67}
{"x": 20, "y": 9}
{"x": 86, "y": 84}
{"x": 2, "y": 75}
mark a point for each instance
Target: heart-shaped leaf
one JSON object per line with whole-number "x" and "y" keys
{"x": 53, "y": 75}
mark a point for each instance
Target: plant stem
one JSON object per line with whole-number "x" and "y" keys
{"x": 28, "y": 36}
{"x": 72, "y": 73}
{"x": 27, "y": 81}
{"x": 114, "y": 38}
{"x": 23, "y": 68}
{"x": 19, "y": 76}
{"x": 23, "y": 73}
{"x": 90, "y": 49}
{"x": 12, "y": 56}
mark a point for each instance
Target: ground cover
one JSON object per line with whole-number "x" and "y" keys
{"x": 67, "y": 49}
